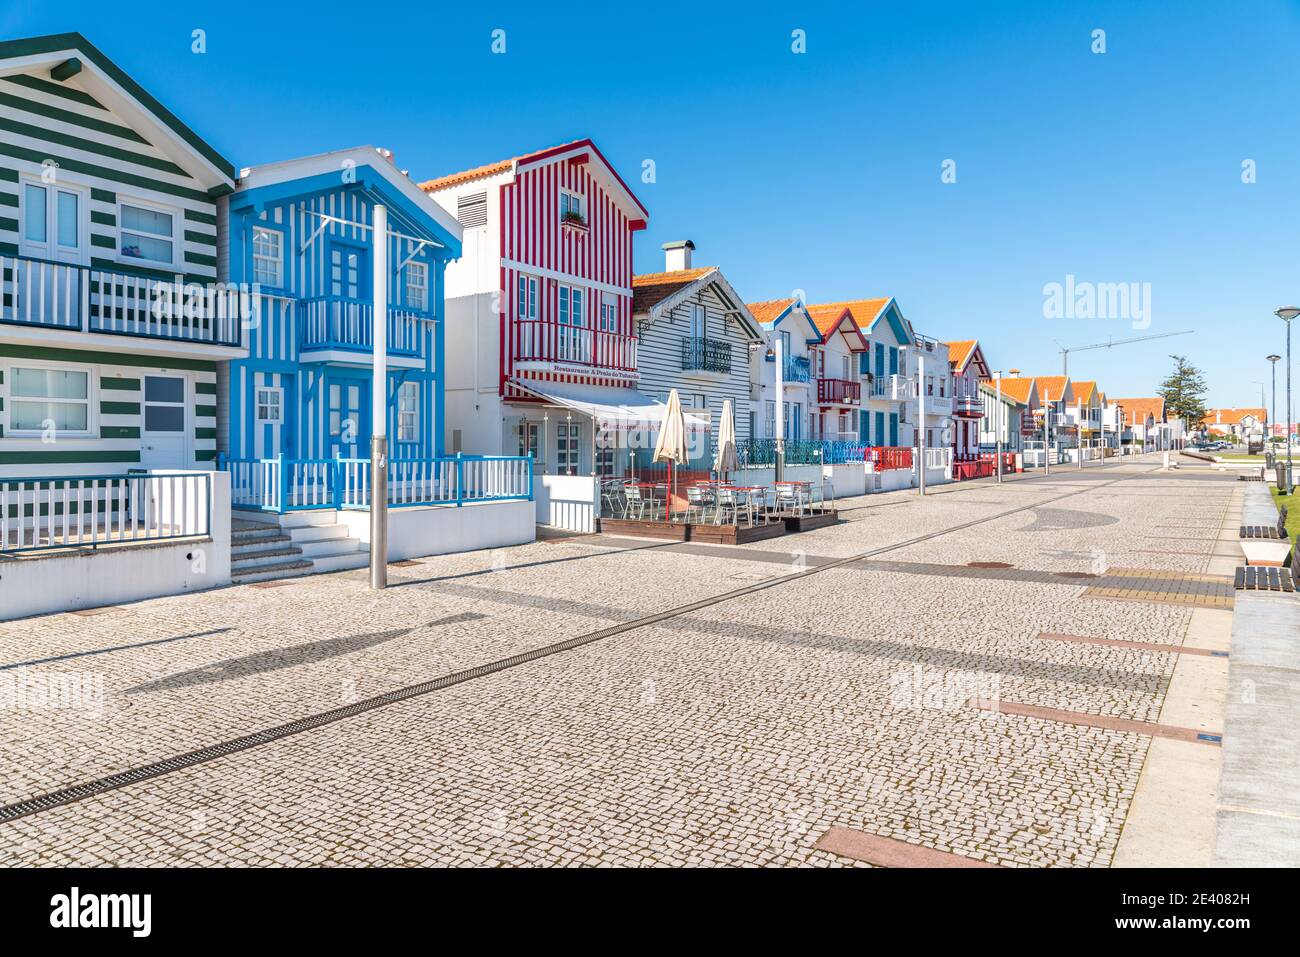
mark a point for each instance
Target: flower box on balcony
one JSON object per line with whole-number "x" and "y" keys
{"x": 574, "y": 222}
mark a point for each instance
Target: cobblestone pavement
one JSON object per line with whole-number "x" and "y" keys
{"x": 735, "y": 733}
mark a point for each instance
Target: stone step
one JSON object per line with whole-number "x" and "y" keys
{"x": 335, "y": 563}
{"x": 267, "y": 572}
{"x": 258, "y": 537}
{"x": 243, "y": 560}
{"x": 316, "y": 533}
{"x": 328, "y": 547}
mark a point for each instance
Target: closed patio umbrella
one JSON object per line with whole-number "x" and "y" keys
{"x": 671, "y": 444}
{"x": 724, "y": 460}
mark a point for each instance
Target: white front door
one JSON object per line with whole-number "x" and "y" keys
{"x": 165, "y": 435}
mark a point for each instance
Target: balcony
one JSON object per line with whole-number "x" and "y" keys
{"x": 967, "y": 403}
{"x": 797, "y": 369}
{"x": 70, "y": 298}
{"x": 332, "y": 323}
{"x": 706, "y": 355}
{"x": 839, "y": 392}
{"x": 552, "y": 343}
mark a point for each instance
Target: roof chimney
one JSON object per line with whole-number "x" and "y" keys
{"x": 677, "y": 255}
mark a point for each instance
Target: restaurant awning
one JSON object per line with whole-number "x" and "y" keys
{"x": 611, "y": 408}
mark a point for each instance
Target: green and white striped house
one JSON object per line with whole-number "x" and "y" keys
{"x": 112, "y": 319}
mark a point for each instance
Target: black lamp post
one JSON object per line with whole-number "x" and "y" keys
{"x": 1286, "y": 314}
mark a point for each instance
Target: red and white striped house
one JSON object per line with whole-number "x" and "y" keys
{"x": 968, "y": 366}
{"x": 541, "y": 344}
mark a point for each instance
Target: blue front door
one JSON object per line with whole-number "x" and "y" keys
{"x": 893, "y": 429}
{"x": 348, "y": 424}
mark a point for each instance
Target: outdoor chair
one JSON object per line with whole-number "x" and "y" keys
{"x": 699, "y": 499}
{"x": 790, "y": 497}
{"x": 633, "y": 500}
{"x": 614, "y": 498}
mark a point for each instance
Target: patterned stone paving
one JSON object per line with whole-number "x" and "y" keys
{"x": 737, "y": 733}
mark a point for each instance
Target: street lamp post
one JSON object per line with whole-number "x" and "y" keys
{"x": 379, "y": 404}
{"x": 1286, "y": 314}
{"x": 1272, "y": 412}
{"x": 997, "y": 422}
{"x": 778, "y": 457}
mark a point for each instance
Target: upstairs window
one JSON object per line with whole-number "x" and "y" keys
{"x": 571, "y": 210}
{"x": 417, "y": 286}
{"x": 270, "y": 404}
{"x": 527, "y": 302}
{"x": 268, "y": 257}
{"x": 608, "y": 316}
{"x": 146, "y": 234}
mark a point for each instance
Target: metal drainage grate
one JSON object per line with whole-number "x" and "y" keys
{"x": 1264, "y": 578}
{"x": 989, "y": 565}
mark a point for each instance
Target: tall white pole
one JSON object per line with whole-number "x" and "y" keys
{"x": 779, "y": 355}
{"x": 379, "y": 404}
{"x": 997, "y": 423}
{"x": 920, "y": 420}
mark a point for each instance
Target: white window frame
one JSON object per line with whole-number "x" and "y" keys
{"x": 176, "y": 237}
{"x": 279, "y": 260}
{"x": 408, "y": 412}
{"x": 278, "y": 405}
{"x": 50, "y": 249}
{"x": 91, "y": 400}
{"x": 409, "y": 271}
{"x": 575, "y": 204}
{"x": 526, "y": 294}
{"x": 608, "y": 315}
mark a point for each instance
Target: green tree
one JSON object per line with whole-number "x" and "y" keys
{"x": 1184, "y": 392}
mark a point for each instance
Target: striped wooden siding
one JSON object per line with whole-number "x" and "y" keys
{"x": 44, "y": 121}
{"x": 660, "y": 362}
{"x": 273, "y": 341}
{"x": 599, "y": 261}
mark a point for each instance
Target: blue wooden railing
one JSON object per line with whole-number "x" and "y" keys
{"x": 286, "y": 485}
{"x": 800, "y": 452}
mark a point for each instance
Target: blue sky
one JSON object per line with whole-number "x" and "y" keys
{"x": 821, "y": 171}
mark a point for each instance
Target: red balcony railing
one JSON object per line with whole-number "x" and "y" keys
{"x": 839, "y": 392}
{"x": 887, "y": 457}
{"x": 540, "y": 341}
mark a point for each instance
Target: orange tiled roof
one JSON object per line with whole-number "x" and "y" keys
{"x": 1083, "y": 390}
{"x": 768, "y": 311}
{"x": 1051, "y": 387}
{"x": 959, "y": 352}
{"x": 865, "y": 311}
{"x": 1137, "y": 409}
{"x": 1015, "y": 389}
{"x": 1233, "y": 416}
{"x": 654, "y": 287}
{"x": 490, "y": 169}
{"x": 827, "y": 317}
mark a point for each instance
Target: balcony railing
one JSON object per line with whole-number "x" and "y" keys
{"x": 797, "y": 369}
{"x": 36, "y": 292}
{"x": 707, "y": 355}
{"x": 330, "y": 322}
{"x": 838, "y": 392}
{"x": 541, "y": 341}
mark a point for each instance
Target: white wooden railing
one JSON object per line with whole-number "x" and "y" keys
{"x": 539, "y": 341}
{"x": 284, "y": 485}
{"x": 74, "y": 511}
{"x": 63, "y": 296}
{"x": 330, "y": 322}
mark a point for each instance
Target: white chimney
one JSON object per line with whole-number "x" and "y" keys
{"x": 677, "y": 255}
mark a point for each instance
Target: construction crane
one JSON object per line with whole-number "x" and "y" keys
{"x": 1066, "y": 350}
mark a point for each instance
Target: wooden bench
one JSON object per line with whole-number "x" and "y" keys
{"x": 1265, "y": 578}
{"x": 1277, "y": 531}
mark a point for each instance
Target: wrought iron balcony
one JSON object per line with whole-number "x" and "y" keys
{"x": 706, "y": 355}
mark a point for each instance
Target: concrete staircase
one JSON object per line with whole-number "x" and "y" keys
{"x": 265, "y": 546}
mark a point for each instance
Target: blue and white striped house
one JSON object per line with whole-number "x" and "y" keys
{"x": 299, "y": 230}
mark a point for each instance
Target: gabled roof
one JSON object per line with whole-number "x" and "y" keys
{"x": 1018, "y": 390}
{"x": 261, "y": 186}
{"x": 657, "y": 294}
{"x": 579, "y": 150}
{"x": 1234, "y": 416}
{"x": 1137, "y": 409}
{"x": 1083, "y": 390}
{"x": 1052, "y": 388}
{"x": 959, "y": 352}
{"x": 836, "y": 317}
{"x": 868, "y": 313}
{"x": 93, "y": 72}
{"x": 772, "y": 312}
